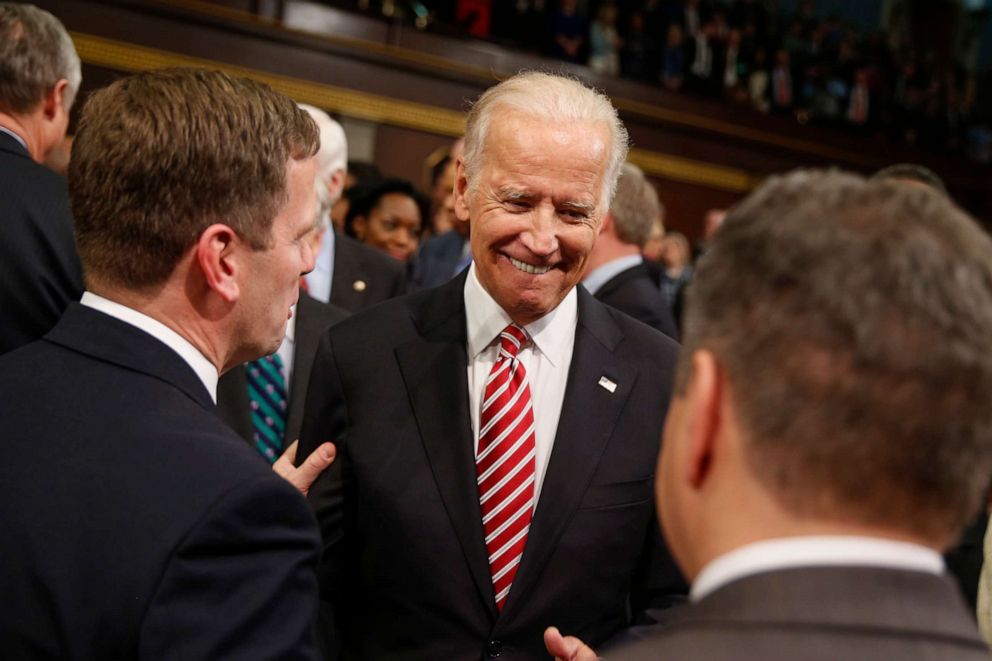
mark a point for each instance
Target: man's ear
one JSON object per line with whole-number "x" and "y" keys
{"x": 335, "y": 185}
{"x": 704, "y": 398}
{"x": 461, "y": 192}
{"x": 217, "y": 253}
{"x": 54, "y": 101}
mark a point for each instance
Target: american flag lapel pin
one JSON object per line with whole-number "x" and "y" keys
{"x": 607, "y": 384}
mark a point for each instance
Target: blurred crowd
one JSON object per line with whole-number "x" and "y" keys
{"x": 818, "y": 69}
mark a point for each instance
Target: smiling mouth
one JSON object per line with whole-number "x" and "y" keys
{"x": 528, "y": 268}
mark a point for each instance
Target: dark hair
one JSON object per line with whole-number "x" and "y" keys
{"x": 364, "y": 173}
{"x": 912, "y": 172}
{"x": 365, "y": 198}
{"x": 852, "y": 318}
{"x": 162, "y": 155}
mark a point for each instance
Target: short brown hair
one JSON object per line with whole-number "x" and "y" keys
{"x": 853, "y": 319}
{"x": 162, "y": 155}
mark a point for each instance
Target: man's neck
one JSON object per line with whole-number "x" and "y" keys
{"x": 20, "y": 126}
{"x": 160, "y": 307}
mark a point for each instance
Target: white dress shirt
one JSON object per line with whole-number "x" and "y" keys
{"x": 287, "y": 350}
{"x": 320, "y": 279}
{"x": 546, "y": 359}
{"x": 813, "y": 551}
{"x": 599, "y": 276}
{"x": 204, "y": 369}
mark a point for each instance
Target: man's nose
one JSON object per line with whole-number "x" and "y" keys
{"x": 542, "y": 237}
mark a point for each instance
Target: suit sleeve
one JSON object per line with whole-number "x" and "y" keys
{"x": 241, "y": 583}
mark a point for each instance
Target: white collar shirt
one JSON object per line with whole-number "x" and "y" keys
{"x": 546, "y": 359}
{"x": 320, "y": 279}
{"x": 287, "y": 350}
{"x": 599, "y": 276}
{"x": 813, "y": 551}
{"x": 201, "y": 366}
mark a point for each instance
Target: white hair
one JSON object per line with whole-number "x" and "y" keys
{"x": 552, "y": 97}
{"x": 333, "y": 152}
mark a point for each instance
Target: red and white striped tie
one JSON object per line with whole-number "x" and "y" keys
{"x": 505, "y": 462}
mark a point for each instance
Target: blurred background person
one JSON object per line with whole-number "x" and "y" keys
{"x": 615, "y": 273}
{"x": 389, "y": 217}
{"x": 40, "y": 273}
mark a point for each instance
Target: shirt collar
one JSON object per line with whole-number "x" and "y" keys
{"x": 4, "y": 129}
{"x": 813, "y": 551}
{"x": 485, "y": 320}
{"x": 201, "y": 366}
{"x": 604, "y": 273}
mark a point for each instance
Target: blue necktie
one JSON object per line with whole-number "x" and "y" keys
{"x": 267, "y": 395}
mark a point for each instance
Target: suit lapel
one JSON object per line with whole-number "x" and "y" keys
{"x": 434, "y": 370}
{"x": 347, "y": 269}
{"x": 588, "y": 416}
{"x": 312, "y": 319}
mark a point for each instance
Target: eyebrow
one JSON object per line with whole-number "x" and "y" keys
{"x": 511, "y": 194}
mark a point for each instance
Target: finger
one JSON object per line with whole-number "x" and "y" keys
{"x": 303, "y": 477}
{"x": 557, "y": 645}
{"x": 285, "y": 464}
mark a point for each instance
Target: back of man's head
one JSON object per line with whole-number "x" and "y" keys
{"x": 852, "y": 320}
{"x": 636, "y": 208}
{"x": 35, "y": 54}
{"x": 333, "y": 153}
{"x": 162, "y": 155}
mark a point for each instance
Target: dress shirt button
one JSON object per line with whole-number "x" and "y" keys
{"x": 494, "y": 649}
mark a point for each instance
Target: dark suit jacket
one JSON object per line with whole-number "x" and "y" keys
{"x": 39, "y": 268}
{"x": 363, "y": 276}
{"x": 313, "y": 318}
{"x": 136, "y": 525}
{"x": 634, "y": 291}
{"x": 404, "y": 559}
{"x": 437, "y": 259}
{"x": 819, "y": 614}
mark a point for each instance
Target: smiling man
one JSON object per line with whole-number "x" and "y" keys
{"x": 496, "y": 436}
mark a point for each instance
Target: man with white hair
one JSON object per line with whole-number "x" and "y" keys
{"x": 616, "y": 274}
{"x": 496, "y": 435}
{"x": 348, "y": 273}
{"x": 39, "y": 268}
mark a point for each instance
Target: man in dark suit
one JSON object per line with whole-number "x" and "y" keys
{"x": 39, "y": 269}
{"x": 347, "y": 273}
{"x": 442, "y": 257}
{"x": 810, "y": 506}
{"x": 158, "y": 534}
{"x": 617, "y": 274}
{"x": 310, "y": 321}
{"x": 496, "y": 435}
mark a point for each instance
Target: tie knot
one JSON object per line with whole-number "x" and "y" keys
{"x": 511, "y": 340}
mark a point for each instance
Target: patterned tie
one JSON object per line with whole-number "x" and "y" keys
{"x": 267, "y": 394}
{"x": 505, "y": 462}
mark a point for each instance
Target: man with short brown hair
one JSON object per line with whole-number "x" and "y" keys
{"x": 830, "y": 432}
{"x": 136, "y": 524}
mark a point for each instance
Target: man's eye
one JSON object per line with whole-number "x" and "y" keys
{"x": 573, "y": 214}
{"x": 517, "y": 205}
